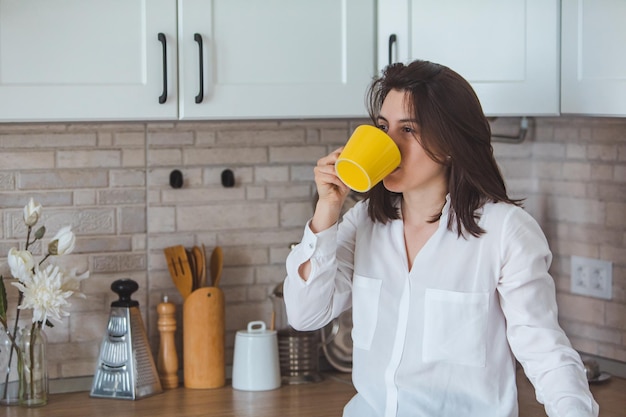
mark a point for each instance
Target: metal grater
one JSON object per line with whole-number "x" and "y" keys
{"x": 125, "y": 368}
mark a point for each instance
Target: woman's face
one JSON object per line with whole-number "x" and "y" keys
{"x": 417, "y": 171}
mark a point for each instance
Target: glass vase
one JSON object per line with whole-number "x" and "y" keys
{"x": 9, "y": 375}
{"x": 33, "y": 366}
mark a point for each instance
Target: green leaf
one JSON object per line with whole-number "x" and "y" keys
{"x": 3, "y": 301}
{"x": 40, "y": 232}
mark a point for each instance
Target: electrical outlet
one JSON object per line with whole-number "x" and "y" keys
{"x": 592, "y": 277}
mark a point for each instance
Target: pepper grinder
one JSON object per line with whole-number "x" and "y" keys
{"x": 167, "y": 362}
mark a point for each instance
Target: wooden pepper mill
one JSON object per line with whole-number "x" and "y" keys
{"x": 167, "y": 362}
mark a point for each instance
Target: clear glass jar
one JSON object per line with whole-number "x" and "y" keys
{"x": 33, "y": 366}
{"x": 9, "y": 375}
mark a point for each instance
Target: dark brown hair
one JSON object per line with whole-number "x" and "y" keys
{"x": 453, "y": 132}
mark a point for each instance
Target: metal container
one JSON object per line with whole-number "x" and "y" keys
{"x": 125, "y": 368}
{"x": 298, "y": 351}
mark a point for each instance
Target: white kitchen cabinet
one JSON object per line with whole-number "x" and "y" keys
{"x": 275, "y": 58}
{"x": 593, "y": 60}
{"x": 76, "y": 60}
{"x": 507, "y": 50}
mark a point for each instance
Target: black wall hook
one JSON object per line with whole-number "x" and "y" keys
{"x": 176, "y": 179}
{"x": 228, "y": 178}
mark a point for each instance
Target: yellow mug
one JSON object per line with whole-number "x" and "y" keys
{"x": 368, "y": 157}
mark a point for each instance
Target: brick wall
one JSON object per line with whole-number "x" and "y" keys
{"x": 111, "y": 182}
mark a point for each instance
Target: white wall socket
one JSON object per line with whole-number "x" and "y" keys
{"x": 592, "y": 277}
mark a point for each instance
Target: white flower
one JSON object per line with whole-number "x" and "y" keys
{"x": 21, "y": 263}
{"x": 63, "y": 242}
{"x": 71, "y": 282}
{"x": 44, "y": 294}
{"x": 32, "y": 211}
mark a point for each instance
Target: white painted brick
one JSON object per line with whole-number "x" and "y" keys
{"x": 615, "y": 213}
{"x": 576, "y": 210}
{"x": 222, "y": 156}
{"x": 575, "y": 151}
{"x": 133, "y": 158}
{"x": 137, "y": 139}
{"x": 576, "y": 171}
{"x": 271, "y": 174}
{"x": 297, "y": 154}
{"x": 84, "y": 197}
{"x": 164, "y": 157}
{"x": 66, "y": 179}
{"x": 42, "y": 141}
{"x": 287, "y": 192}
{"x": 205, "y": 138}
{"x": 105, "y": 139}
{"x": 255, "y": 193}
{"x": 202, "y": 195}
{"x": 292, "y": 214}
{"x": 261, "y": 137}
{"x": 170, "y": 138}
{"x": 228, "y": 216}
{"x": 548, "y": 150}
{"x": 336, "y": 137}
{"x": 161, "y": 219}
{"x": 571, "y": 307}
{"x": 89, "y": 159}
{"x": 601, "y": 172}
{"x": 27, "y": 160}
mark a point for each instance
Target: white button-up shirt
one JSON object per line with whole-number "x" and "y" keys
{"x": 441, "y": 339}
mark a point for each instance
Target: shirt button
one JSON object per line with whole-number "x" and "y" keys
{"x": 310, "y": 245}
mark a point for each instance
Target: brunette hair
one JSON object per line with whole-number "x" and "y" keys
{"x": 453, "y": 132}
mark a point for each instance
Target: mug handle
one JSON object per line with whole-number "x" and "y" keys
{"x": 252, "y": 326}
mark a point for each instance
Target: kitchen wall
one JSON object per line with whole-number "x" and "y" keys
{"x": 111, "y": 182}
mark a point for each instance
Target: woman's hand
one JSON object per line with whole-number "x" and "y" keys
{"x": 331, "y": 191}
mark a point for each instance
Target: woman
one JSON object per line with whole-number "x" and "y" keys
{"x": 446, "y": 275}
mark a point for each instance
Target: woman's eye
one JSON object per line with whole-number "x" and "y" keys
{"x": 408, "y": 129}
{"x": 383, "y": 128}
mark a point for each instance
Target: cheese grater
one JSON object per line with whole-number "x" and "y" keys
{"x": 125, "y": 369}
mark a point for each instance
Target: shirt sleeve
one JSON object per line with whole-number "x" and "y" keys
{"x": 313, "y": 303}
{"x": 528, "y": 300}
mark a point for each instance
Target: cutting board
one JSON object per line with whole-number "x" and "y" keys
{"x": 203, "y": 339}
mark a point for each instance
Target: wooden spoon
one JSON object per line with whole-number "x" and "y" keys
{"x": 217, "y": 263}
{"x": 178, "y": 264}
{"x": 198, "y": 254}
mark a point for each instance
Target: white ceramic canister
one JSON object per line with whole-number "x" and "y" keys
{"x": 256, "y": 365}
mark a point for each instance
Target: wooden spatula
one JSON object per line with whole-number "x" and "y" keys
{"x": 180, "y": 271}
{"x": 217, "y": 262}
{"x": 200, "y": 264}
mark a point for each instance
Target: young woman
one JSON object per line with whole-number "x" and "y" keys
{"x": 446, "y": 275}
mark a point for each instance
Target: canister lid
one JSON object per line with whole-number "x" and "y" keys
{"x": 256, "y": 329}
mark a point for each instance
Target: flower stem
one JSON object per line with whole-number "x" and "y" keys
{"x": 12, "y": 339}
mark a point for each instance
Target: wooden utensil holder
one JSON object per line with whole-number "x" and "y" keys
{"x": 203, "y": 339}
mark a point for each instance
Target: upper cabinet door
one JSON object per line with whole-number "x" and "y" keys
{"x": 593, "y": 66}
{"x": 87, "y": 60}
{"x": 507, "y": 50}
{"x": 275, "y": 58}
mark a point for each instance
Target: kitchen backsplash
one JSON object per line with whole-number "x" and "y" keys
{"x": 111, "y": 182}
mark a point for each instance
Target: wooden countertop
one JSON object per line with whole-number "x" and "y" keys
{"x": 326, "y": 398}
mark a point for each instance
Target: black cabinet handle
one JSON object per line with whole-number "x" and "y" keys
{"x": 163, "y": 97}
{"x": 198, "y": 38}
{"x": 392, "y": 40}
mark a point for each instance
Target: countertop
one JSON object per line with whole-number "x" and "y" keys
{"x": 321, "y": 399}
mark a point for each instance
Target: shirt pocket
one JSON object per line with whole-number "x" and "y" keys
{"x": 455, "y": 327}
{"x": 365, "y": 299}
